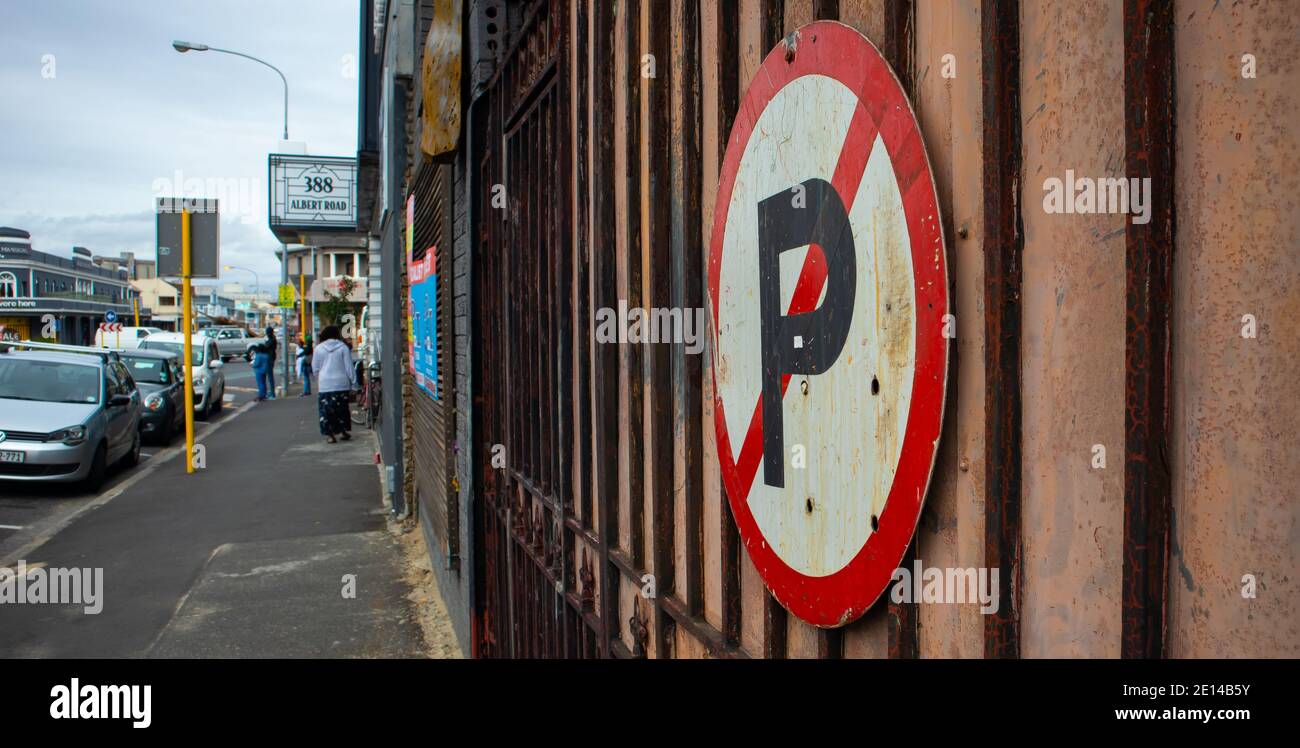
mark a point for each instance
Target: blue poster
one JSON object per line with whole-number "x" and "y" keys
{"x": 423, "y": 323}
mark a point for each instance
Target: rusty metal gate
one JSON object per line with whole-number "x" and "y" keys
{"x": 535, "y": 594}
{"x": 602, "y": 526}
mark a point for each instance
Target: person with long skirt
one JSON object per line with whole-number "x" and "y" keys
{"x": 331, "y": 361}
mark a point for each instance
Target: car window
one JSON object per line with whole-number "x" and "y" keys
{"x": 178, "y": 348}
{"x": 141, "y": 334}
{"x": 149, "y": 370}
{"x": 48, "y": 381}
{"x": 112, "y": 382}
{"x": 124, "y": 377}
{"x": 212, "y": 352}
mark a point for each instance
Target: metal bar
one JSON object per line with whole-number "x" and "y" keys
{"x": 187, "y": 320}
{"x": 899, "y": 36}
{"x": 688, "y": 270}
{"x": 1149, "y": 255}
{"x": 772, "y": 21}
{"x": 826, "y": 10}
{"x": 728, "y": 46}
{"x": 830, "y": 644}
{"x": 775, "y": 628}
{"x": 605, "y": 296}
{"x": 775, "y": 617}
{"x": 634, "y": 354}
{"x": 659, "y": 105}
{"x": 564, "y": 298}
{"x": 1003, "y": 250}
{"x": 582, "y": 259}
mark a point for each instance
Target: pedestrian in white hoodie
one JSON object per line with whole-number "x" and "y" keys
{"x": 336, "y": 377}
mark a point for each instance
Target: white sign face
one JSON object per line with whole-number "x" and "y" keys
{"x": 828, "y": 283}
{"x": 312, "y": 192}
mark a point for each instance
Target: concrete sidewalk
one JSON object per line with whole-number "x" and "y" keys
{"x": 278, "y": 548}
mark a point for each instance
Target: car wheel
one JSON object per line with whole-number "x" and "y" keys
{"x": 98, "y": 470}
{"x": 207, "y": 409}
{"x": 219, "y": 403}
{"x": 132, "y": 457}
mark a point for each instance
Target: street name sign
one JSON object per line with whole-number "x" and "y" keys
{"x": 829, "y": 291}
{"x": 312, "y": 192}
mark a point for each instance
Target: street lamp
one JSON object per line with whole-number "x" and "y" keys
{"x": 184, "y": 47}
{"x": 257, "y": 286}
{"x": 256, "y": 281}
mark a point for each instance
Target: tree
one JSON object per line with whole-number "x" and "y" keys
{"x": 337, "y": 305}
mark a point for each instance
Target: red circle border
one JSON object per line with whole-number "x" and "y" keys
{"x": 839, "y": 51}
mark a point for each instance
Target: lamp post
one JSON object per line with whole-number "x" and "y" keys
{"x": 184, "y": 47}
{"x": 257, "y": 283}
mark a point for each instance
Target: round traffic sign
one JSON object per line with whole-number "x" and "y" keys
{"x": 829, "y": 290}
{"x": 110, "y": 316}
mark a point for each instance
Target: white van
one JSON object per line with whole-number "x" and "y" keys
{"x": 129, "y": 337}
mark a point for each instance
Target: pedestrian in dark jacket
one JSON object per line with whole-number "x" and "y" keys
{"x": 264, "y": 366}
{"x": 304, "y": 364}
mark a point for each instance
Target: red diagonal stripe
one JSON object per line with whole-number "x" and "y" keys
{"x": 812, "y": 276}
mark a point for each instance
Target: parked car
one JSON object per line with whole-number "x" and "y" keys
{"x": 66, "y": 414}
{"x": 205, "y": 367}
{"x": 129, "y": 337}
{"x": 161, "y": 381}
{"x": 234, "y": 342}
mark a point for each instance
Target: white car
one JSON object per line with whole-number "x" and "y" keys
{"x": 234, "y": 342}
{"x": 128, "y": 337}
{"x": 205, "y": 367}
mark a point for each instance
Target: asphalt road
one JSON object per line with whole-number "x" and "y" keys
{"x": 279, "y": 547}
{"x": 24, "y": 505}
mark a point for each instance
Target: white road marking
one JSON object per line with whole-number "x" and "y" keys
{"x": 12, "y": 576}
{"x": 11, "y": 527}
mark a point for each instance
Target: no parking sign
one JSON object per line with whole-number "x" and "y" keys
{"x": 828, "y": 284}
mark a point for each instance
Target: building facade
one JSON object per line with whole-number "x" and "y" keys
{"x": 44, "y": 296}
{"x": 136, "y": 268}
{"x": 163, "y": 299}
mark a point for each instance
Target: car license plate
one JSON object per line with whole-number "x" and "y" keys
{"x": 13, "y": 456}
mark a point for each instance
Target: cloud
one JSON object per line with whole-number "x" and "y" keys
{"x": 86, "y": 150}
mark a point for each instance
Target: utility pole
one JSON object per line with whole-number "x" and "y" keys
{"x": 187, "y": 291}
{"x": 284, "y": 320}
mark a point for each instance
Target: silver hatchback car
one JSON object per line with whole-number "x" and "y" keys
{"x": 66, "y": 414}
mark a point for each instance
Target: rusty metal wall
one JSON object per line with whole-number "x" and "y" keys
{"x": 609, "y": 534}
{"x": 1233, "y": 448}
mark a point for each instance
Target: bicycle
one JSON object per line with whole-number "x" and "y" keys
{"x": 365, "y": 404}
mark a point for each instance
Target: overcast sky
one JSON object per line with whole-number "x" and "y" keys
{"x": 100, "y": 115}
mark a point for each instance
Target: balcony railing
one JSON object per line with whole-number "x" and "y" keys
{"x": 98, "y": 298}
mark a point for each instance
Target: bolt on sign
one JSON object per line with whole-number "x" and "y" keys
{"x": 828, "y": 284}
